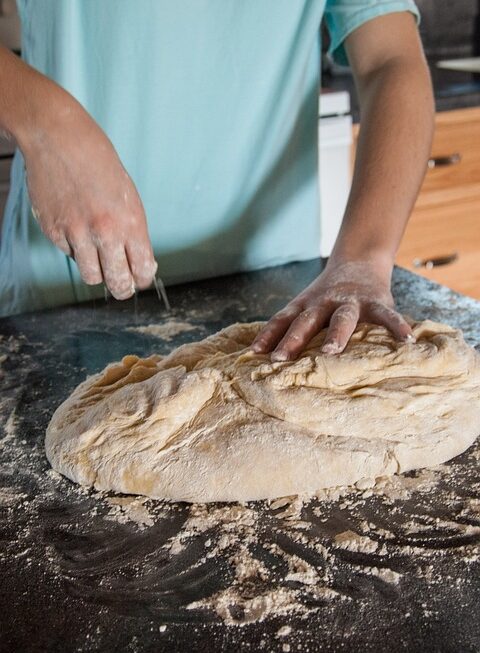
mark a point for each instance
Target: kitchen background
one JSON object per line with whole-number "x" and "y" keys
{"x": 442, "y": 240}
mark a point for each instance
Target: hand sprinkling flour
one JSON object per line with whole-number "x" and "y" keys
{"x": 93, "y": 212}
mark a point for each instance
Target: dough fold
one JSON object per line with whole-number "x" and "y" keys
{"x": 213, "y": 421}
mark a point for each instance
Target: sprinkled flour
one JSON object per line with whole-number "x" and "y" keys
{"x": 166, "y": 331}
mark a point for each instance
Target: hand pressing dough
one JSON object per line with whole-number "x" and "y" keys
{"x": 213, "y": 421}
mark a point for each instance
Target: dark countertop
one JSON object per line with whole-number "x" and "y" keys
{"x": 72, "y": 578}
{"x": 452, "y": 89}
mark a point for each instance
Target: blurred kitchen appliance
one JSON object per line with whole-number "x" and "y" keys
{"x": 335, "y": 141}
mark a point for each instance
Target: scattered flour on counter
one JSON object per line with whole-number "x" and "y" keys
{"x": 291, "y": 508}
{"x": 355, "y": 542}
{"x": 385, "y": 574}
{"x": 236, "y": 609}
{"x": 9, "y": 498}
{"x": 166, "y": 331}
{"x": 274, "y": 559}
{"x": 9, "y": 429}
{"x": 129, "y": 508}
{"x": 284, "y": 631}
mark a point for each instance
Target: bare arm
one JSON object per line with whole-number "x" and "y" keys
{"x": 397, "y": 107}
{"x": 83, "y": 198}
{"x": 394, "y": 144}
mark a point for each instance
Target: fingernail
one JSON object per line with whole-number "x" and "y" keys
{"x": 280, "y": 356}
{"x": 257, "y": 347}
{"x": 330, "y": 348}
{"x": 410, "y": 338}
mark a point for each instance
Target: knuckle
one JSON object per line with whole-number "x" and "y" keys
{"x": 101, "y": 220}
{"x": 91, "y": 277}
{"x": 309, "y": 316}
{"x": 89, "y": 270}
{"x": 104, "y": 229}
{"x": 376, "y": 307}
{"x": 264, "y": 334}
{"x": 395, "y": 317}
{"x": 54, "y": 233}
{"x": 345, "y": 313}
{"x": 59, "y": 239}
{"x": 74, "y": 229}
{"x": 286, "y": 316}
{"x": 281, "y": 317}
{"x": 293, "y": 338}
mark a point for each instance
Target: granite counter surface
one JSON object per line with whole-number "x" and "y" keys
{"x": 75, "y": 578}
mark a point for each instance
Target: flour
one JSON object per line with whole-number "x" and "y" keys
{"x": 236, "y": 609}
{"x": 284, "y": 631}
{"x": 385, "y": 574}
{"x": 355, "y": 542}
{"x": 8, "y": 429}
{"x": 9, "y": 498}
{"x": 301, "y": 571}
{"x": 166, "y": 331}
{"x": 126, "y": 509}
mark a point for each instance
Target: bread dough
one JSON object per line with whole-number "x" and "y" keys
{"x": 213, "y": 421}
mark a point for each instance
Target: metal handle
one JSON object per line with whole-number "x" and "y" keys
{"x": 436, "y": 262}
{"x": 442, "y": 161}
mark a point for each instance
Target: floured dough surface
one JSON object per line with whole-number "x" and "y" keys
{"x": 213, "y": 421}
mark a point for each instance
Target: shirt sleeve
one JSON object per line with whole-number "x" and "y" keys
{"x": 344, "y": 16}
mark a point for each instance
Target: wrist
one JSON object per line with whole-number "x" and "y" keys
{"x": 359, "y": 242}
{"x": 46, "y": 112}
{"x": 380, "y": 259}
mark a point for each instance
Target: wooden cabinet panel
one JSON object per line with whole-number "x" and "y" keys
{"x": 455, "y": 157}
{"x": 448, "y": 235}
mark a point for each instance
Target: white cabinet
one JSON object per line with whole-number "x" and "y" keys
{"x": 335, "y": 141}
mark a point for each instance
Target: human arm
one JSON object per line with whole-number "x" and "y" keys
{"x": 396, "y": 101}
{"x": 82, "y": 197}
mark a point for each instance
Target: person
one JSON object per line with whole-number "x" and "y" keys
{"x": 201, "y": 117}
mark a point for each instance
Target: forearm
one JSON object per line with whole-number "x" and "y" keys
{"x": 393, "y": 148}
{"x": 18, "y": 84}
{"x": 30, "y": 103}
{"x": 84, "y": 200}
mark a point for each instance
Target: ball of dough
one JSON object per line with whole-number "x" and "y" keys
{"x": 213, "y": 421}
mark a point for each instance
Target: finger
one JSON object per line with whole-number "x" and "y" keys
{"x": 388, "y": 317}
{"x": 141, "y": 261}
{"x": 342, "y": 324}
{"x": 63, "y": 245}
{"x": 116, "y": 271}
{"x": 59, "y": 239}
{"x": 301, "y": 331}
{"x": 268, "y": 337}
{"x": 86, "y": 257}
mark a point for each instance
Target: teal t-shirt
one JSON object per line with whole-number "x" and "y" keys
{"x": 212, "y": 106}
